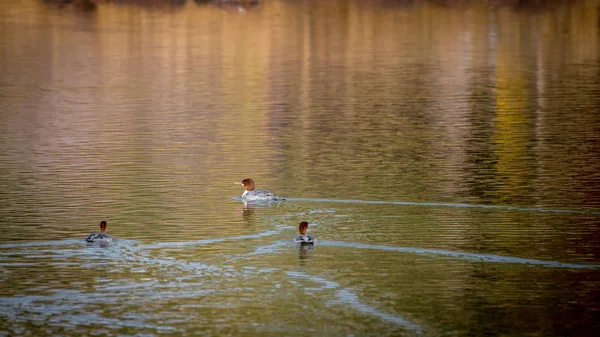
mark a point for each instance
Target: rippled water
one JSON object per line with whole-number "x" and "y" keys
{"x": 445, "y": 153}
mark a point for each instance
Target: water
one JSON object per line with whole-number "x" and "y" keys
{"x": 444, "y": 153}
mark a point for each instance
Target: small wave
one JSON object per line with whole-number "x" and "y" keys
{"x": 270, "y": 249}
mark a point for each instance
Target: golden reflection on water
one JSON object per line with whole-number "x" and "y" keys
{"x": 468, "y": 102}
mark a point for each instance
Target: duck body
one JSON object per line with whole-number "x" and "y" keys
{"x": 259, "y": 195}
{"x": 305, "y": 239}
{"x": 99, "y": 238}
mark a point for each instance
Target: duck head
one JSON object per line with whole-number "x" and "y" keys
{"x": 302, "y": 227}
{"x": 248, "y": 185}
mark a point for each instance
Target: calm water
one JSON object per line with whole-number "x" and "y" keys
{"x": 446, "y": 155}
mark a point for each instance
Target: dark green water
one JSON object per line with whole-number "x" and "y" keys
{"x": 445, "y": 154}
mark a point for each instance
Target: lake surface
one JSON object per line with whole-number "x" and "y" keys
{"x": 446, "y": 155}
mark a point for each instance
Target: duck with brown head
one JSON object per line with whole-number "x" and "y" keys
{"x": 101, "y": 237}
{"x": 252, "y": 194}
{"x": 303, "y": 238}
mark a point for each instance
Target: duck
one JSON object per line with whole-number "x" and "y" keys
{"x": 101, "y": 237}
{"x": 252, "y": 194}
{"x": 303, "y": 238}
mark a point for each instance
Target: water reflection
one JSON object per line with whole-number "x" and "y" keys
{"x": 304, "y": 252}
{"x": 248, "y": 212}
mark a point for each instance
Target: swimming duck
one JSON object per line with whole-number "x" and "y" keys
{"x": 101, "y": 237}
{"x": 252, "y": 194}
{"x": 303, "y": 238}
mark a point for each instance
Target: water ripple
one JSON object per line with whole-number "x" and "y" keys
{"x": 477, "y": 257}
{"x": 442, "y": 204}
{"x": 209, "y": 241}
{"x": 348, "y": 298}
